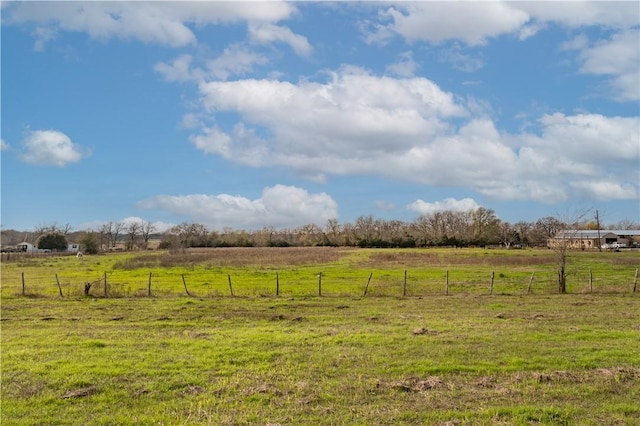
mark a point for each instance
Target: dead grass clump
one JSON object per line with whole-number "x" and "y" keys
{"x": 192, "y": 390}
{"x": 78, "y": 393}
{"x": 620, "y": 374}
{"x": 264, "y": 388}
{"x": 414, "y": 384}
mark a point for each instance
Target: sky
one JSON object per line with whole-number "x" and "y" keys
{"x": 245, "y": 115}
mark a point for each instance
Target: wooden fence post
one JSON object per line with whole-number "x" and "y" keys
{"x": 105, "y": 284}
{"x": 185, "y": 286}
{"x": 446, "y": 288}
{"x": 404, "y": 289}
{"x": 635, "y": 282}
{"x": 149, "y": 286}
{"x": 493, "y": 275}
{"x": 530, "y": 282}
{"x": 590, "y": 281}
{"x": 367, "y": 286}
{"x": 59, "y": 288}
{"x": 320, "y": 284}
{"x": 277, "y": 285}
{"x": 230, "y": 287}
{"x": 23, "y": 291}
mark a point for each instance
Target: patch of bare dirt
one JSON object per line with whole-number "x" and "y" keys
{"x": 79, "y": 393}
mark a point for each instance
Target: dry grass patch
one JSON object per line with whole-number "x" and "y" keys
{"x": 458, "y": 257}
{"x": 236, "y": 257}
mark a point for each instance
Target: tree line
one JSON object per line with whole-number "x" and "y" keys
{"x": 476, "y": 227}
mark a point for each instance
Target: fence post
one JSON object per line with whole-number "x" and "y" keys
{"x": 530, "y": 282}
{"x": 635, "y": 281}
{"x": 277, "y": 285}
{"x": 185, "y": 285}
{"x": 404, "y": 289}
{"x": 105, "y": 284}
{"x": 590, "y": 281}
{"x": 23, "y": 284}
{"x": 367, "y": 286}
{"x": 493, "y": 275}
{"x": 230, "y": 287}
{"x": 320, "y": 284}
{"x": 149, "y": 286}
{"x": 59, "y": 288}
{"x": 446, "y": 288}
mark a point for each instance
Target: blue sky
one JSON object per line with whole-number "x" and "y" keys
{"x": 245, "y": 115}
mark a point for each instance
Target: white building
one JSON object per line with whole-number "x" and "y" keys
{"x": 26, "y": 247}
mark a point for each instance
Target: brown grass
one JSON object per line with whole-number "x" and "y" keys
{"x": 237, "y": 257}
{"x": 455, "y": 257}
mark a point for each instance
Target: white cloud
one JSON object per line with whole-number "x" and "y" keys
{"x": 164, "y": 23}
{"x": 179, "y": 69}
{"x": 279, "y": 206}
{"x": 470, "y": 22}
{"x": 3, "y": 145}
{"x": 266, "y": 33}
{"x": 475, "y": 22}
{"x": 448, "y": 204}
{"x": 574, "y": 14}
{"x": 461, "y": 61}
{"x": 236, "y": 60}
{"x": 51, "y": 147}
{"x": 405, "y": 66}
{"x": 618, "y": 57}
{"x": 409, "y": 129}
{"x": 605, "y": 188}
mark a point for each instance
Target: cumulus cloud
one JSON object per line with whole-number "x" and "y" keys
{"x": 409, "y": 129}
{"x": 473, "y": 23}
{"x": 405, "y": 65}
{"x": 435, "y": 22}
{"x": 51, "y": 147}
{"x": 266, "y": 33}
{"x": 4, "y": 145}
{"x": 448, "y": 204}
{"x": 236, "y": 60}
{"x": 165, "y": 23}
{"x": 618, "y": 57}
{"x": 279, "y": 206}
{"x": 179, "y": 69}
{"x": 574, "y": 14}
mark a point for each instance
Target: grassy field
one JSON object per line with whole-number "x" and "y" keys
{"x": 345, "y": 272}
{"x": 428, "y": 358}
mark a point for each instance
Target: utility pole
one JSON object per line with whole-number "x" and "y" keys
{"x": 598, "y": 227}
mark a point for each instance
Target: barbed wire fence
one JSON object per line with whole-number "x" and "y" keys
{"x": 291, "y": 283}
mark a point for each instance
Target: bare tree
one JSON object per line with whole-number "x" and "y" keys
{"x": 146, "y": 229}
{"x": 523, "y": 229}
{"x": 507, "y": 234}
{"x": 560, "y": 244}
{"x": 133, "y": 230}
{"x": 112, "y": 231}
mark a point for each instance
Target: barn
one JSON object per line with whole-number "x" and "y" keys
{"x": 591, "y": 239}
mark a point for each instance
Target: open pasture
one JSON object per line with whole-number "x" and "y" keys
{"x": 467, "y": 358}
{"x": 301, "y": 272}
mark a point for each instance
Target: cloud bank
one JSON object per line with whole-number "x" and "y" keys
{"x": 279, "y": 206}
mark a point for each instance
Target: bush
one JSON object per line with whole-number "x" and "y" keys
{"x": 52, "y": 241}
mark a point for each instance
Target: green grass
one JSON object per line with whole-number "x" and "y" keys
{"x": 467, "y": 358}
{"x": 344, "y": 272}
{"x": 474, "y": 359}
